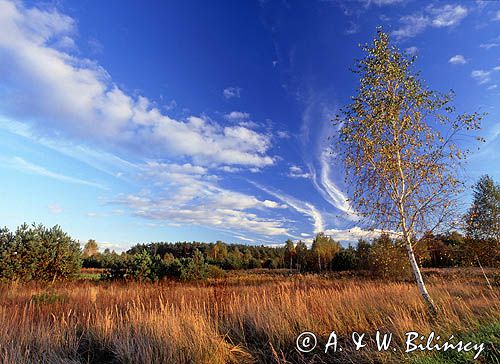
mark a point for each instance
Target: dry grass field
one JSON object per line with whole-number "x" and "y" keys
{"x": 247, "y": 318}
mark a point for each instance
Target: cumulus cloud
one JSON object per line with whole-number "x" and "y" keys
{"x": 354, "y": 234}
{"x": 236, "y": 116}
{"x": 297, "y": 172}
{"x": 231, "y": 92}
{"x": 457, "y": 59}
{"x": 431, "y": 16}
{"x": 412, "y": 25}
{"x": 188, "y": 194}
{"x": 446, "y": 16}
{"x": 62, "y": 94}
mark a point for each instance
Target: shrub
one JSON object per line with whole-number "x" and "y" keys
{"x": 387, "y": 259}
{"x": 38, "y": 253}
{"x": 48, "y": 298}
{"x": 195, "y": 268}
{"x": 214, "y": 271}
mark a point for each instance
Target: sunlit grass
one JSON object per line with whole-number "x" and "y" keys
{"x": 240, "y": 319}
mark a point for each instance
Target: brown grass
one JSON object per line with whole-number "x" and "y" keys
{"x": 241, "y": 319}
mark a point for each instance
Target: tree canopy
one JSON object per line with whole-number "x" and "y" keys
{"x": 483, "y": 218}
{"x": 398, "y": 143}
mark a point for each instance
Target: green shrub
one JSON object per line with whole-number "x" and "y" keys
{"x": 214, "y": 271}
{"x": 387, "y": 259}
{"x": 194, "y": 268}
{"x": 38, "y": 253}
{"x": 48, "y": 298}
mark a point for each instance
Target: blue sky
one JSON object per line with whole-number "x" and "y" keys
{"x": 197, "y": 120}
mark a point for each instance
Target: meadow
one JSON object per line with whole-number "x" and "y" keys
{"x": 242, "y": 318}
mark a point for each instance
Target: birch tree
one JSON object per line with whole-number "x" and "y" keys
{"x": 398, "y": 143}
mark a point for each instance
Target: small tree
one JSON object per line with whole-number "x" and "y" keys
{"x": 38, "y": 253}
{"x": 363, "y": 253}
{"x": 482, "y": 221}
{"x": 302, "y": 255}
{"x": 290, "y": 253}
{"x": 324, "y": 249}
{"x": 90, "y": 249}
{"x": 397, "y": 143}
{"x": 387, "y": 259}
{"x": 195, "y": 268}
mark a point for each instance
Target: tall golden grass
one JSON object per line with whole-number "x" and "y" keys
{"x": 239, "y": 319}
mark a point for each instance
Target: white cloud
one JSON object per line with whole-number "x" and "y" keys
{"x": 381, "y": 2}
{"x": 63, "y": 95}
{"x": 447, "y": 16}
{"x": 355, "y": 233}
{"x": 297, "y": 172}
{"x": 231, "y": 92}
{"x": 457, "y": 59}
{"x": 302, "y": 207}
{"x": 387, "y": 2}
{"x": 492, "y": 87}
{"x": 412, "y": 50}
{"x": 188, "y": 194}
{"x": 55, "y": 208}
{"x": 481, "y": 76}
{"x": 282, "y": 134}
{"x": 497, "y": 16}
{"x": 353, "y": 28}
{"x": 236, "y": 116}
{"x": 488, "y": 46}
{"x": 436, "y": 17}
{"x": 412, "y": 26}
{"x": 328, "y": 189}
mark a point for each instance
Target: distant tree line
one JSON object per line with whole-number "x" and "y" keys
{"x": 383, "y": 257}
{"x": 39, "y": 253}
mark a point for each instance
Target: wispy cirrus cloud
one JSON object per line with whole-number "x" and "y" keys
{"x": 324, "y": 184}
{"x": 481, "y": 76}
{"x": 488, "y": 46}
{"x": 23, "y": 165}
{"x": 484, "y": 76}
{"x": 305, "y": 208}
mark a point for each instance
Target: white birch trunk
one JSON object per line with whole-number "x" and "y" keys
{"x": 418, "y": 277}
